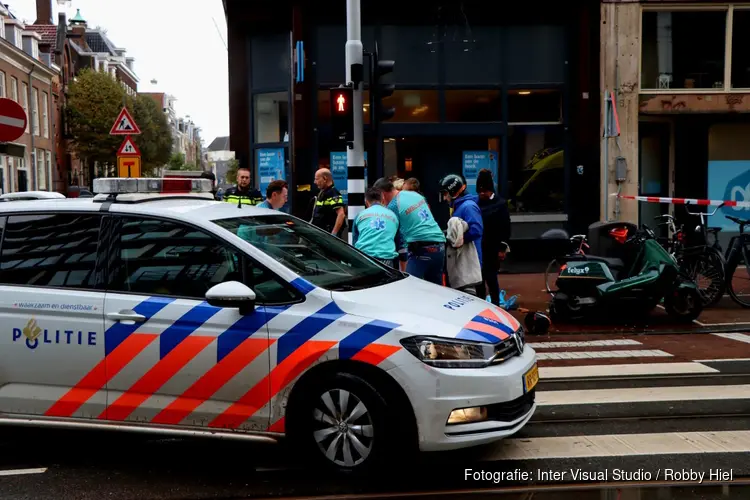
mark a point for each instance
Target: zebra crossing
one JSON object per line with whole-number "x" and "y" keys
{"x": 635, "y": 401}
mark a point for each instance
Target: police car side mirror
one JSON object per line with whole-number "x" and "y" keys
{"x": 232, "y": 294}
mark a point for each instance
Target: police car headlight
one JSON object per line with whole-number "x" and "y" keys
{"x": 449, "y": 353}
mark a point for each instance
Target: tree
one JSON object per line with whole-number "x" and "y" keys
{"x": 155, "y": 140}
{"x": 93, "y": 103}
{"x": 232, "y": 166}
{"x": 177, "y": 162}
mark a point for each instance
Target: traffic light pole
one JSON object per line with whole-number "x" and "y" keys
{"x": 355, "y": 153}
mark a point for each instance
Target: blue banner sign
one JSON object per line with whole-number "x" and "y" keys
{"x": 338, "y": 170}
{"x": 271, "y": 167}
{"x": 728, "y": 180}
{"x": 474, "y": 161}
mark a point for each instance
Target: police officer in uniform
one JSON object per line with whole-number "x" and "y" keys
{"x": 329, "y": 213}
{"x": 243, "y": 192}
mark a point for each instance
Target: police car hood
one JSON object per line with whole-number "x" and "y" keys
{"x": 422, "y": 308}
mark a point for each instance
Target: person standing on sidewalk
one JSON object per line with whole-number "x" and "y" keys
{"x": 496, "y": 220}
{"x": 243, "y": 193}
{"x": 464, "y": 206}
{"x": 329, "y": 213}
{"x": 418, "y": 232}
{"x": 375, "y": 229}
{"x": 277, "y": 195}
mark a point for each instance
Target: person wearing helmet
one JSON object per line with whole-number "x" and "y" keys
{"x": 465, "y": 206}
{"x": 419, "y": 234}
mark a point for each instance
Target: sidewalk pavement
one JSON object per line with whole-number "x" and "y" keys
{"x": 725, "y": 316}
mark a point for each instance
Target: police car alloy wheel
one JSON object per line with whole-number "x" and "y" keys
{"x": 346, "y": 432}
{"x": 343, "y": 422}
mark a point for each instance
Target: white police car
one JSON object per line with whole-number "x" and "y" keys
{"x": 155, "y": 308}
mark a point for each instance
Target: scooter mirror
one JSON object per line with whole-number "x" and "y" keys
{"x": 537, "y": 323}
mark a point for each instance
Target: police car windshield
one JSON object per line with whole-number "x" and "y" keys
{"x": 319, "y": 257}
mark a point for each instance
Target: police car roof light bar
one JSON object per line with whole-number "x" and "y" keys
{"x": 122, "y": 185}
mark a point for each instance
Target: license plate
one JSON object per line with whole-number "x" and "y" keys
{"x": 530, "y": 378}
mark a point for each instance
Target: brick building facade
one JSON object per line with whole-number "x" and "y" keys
{"x": 30, "y": 78}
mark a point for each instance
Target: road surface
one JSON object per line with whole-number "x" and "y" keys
{"x": 610, "y": 408}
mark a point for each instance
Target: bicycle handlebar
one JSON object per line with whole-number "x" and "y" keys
{"x": 701, "y": 213}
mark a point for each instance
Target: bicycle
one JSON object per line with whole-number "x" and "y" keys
{"x": 738, "y": 254}
{"x": 699, "y": 260}
{"x": 580, "y": 243}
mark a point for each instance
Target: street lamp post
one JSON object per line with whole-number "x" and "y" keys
{"x": 355, "y": 154}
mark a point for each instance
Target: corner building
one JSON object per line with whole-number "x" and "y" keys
{"x": 477, "y": 86}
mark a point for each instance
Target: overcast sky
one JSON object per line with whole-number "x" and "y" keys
{"x": 173, "y": 41}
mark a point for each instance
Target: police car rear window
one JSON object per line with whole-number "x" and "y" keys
{"x": 320, "y": 258}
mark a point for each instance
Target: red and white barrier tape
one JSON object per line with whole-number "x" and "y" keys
{"x": 685, "y": 201}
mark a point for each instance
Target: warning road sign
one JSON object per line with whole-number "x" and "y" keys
{"x": 125, "y": 124}
{"x": 128, "y": 166}
{"x": 128, "y": 148}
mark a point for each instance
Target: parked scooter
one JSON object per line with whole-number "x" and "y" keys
{"x": 635, "y": 284}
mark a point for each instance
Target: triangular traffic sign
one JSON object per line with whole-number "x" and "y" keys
{"x": 125, "y": 124}
{"x": 128, "y": 148}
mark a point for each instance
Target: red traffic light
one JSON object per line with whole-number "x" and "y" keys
{"x": 342, "y": 113}
{"x": 342, "y": 103}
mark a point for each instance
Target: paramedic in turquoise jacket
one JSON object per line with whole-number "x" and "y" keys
{"x": 466, "y": 207}
{"x": 418, "y": 232}
{"x": 375, "y": 230}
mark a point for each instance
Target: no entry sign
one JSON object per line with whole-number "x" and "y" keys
{"x": 12, "y": 120}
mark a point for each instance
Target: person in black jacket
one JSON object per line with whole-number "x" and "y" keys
{"x": 496, "y": 222}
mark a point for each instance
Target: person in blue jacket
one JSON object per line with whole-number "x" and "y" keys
{"x": 375, "y": 229}
{"x": 418, "y": 232}
{"x": 466, "y": 207}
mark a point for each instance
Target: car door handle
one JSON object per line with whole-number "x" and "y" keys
{"x": 126, "y": 315}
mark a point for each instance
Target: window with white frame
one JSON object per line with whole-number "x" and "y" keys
{"x": 19, "y": 38}
{"x": 35, "y": 110}
{"x": 41, "y": 173}
{"x": 14, "y": 88}
{"x": 48, "y": 167}
{"x": 701, "y": 48}
{"x": 2, "y": 84}
{"x": 45, "y": 114}
{"x": 25, "y": 103}
{"x": 35, "y": 48}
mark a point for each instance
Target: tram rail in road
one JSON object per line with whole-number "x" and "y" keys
{"x": 560, "y": 491}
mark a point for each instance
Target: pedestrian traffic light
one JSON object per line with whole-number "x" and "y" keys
{"x": 379, "y": 88}
{"x": 342, "y": 113}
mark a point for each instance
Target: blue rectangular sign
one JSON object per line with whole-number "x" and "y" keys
{"x": 729, "y": 181}
{"x": 338, "y": 170}
{"x": 474, "y": 161}
{"x": 271, "y": 167}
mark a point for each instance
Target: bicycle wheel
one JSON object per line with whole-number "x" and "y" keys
{"x": 738, "y": 278}
{"x": 551, "y": 274}
{"x": 707, "y": 270}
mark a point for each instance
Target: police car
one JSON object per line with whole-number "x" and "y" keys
{"x": 154, "y": 308}
{"x": 32, "y": 195}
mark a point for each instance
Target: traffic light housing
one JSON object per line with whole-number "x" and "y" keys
{"x": 342, "y": 113}
{"x": 379, "y": 88}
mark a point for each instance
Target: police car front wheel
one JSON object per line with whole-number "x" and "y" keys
{"x": 348, "y": 422}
